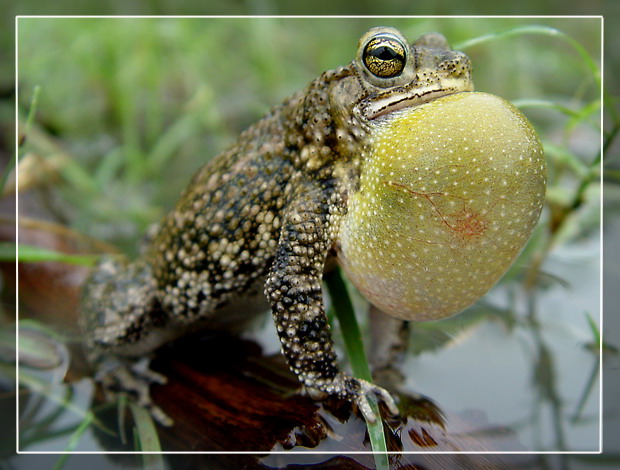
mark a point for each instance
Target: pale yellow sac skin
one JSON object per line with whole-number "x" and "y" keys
{"x": 450, "y": 193}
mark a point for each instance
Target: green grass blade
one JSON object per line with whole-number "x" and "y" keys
{"x": 595, "y": 331}
{"x": 540, "y": 30}
{"x": 171, "y": 140}
{"x": 34, "y": 103}
{"x": 351, "y": 333}
{"x": 544, "y": 104}
{"x": 41, "y": 387}
{"x": 37, "y": 254}
{"x": 343, "y": 308}
{"x": 147, "y": 437}
{"x": 562, "y": 156}
{"x": 74, "y": 440}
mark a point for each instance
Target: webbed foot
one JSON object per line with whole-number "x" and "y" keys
{"x": 357, "y": 391}
{"x": 120, "y": 375}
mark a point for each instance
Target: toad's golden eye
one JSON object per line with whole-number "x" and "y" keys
{"x": 385, "y": 56}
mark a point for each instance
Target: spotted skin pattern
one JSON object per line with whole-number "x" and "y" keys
{"x": 257, "y": 224}
{"x": 453, "y": 188}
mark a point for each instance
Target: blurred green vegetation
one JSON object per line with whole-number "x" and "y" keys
{"x": 128, "y": 109}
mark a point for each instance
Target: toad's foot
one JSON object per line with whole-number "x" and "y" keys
{"x": 119, "y": 375}
{"x": 356, "y": 391}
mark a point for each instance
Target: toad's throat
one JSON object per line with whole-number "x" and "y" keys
{"x": 415, "y": 97}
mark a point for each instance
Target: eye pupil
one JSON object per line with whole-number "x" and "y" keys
{"x": 384, "y": 53}
{"x": 384, "y": 56}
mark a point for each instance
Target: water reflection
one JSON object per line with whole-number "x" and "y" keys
{"x": 525, "y": 357}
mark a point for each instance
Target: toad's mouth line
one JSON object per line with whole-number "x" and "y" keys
{"x": 390, "y": 104}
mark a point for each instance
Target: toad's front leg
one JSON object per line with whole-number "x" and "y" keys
{"x": 293, "y": 288}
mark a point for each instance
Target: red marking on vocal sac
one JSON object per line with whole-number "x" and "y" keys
{"x": 467, "y": 223}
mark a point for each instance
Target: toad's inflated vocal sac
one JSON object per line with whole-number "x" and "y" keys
{"x": 423, "y": 191}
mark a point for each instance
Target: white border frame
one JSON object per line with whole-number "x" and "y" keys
{"x": 310, "y": 452}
